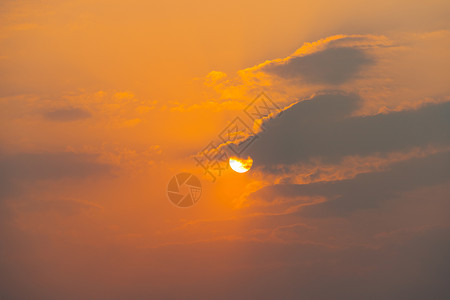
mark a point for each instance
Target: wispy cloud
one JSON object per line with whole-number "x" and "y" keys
{"x": 67, "y": 114}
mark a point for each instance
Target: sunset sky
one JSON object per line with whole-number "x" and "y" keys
{"x": 102, "y": 103}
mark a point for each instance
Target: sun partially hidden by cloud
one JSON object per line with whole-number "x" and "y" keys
{"x": 240, "y": 165}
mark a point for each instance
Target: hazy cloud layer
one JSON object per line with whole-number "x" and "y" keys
{"x": 22, "y": 168}
{"x": 42, "y": 166}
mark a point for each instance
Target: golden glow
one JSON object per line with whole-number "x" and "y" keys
{"x": 240, "y": 165}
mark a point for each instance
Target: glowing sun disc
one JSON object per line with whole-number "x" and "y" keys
{"x": 240, "y": 165}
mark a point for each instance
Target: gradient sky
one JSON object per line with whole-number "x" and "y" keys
{"x": 102, "y": 102}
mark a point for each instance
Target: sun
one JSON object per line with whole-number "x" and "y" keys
{"x": 240, "y": 165}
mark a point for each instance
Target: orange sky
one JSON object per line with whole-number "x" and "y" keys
{"x": 102, "y": 102}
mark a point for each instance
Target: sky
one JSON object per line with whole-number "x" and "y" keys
{"x": 344, "y": 109}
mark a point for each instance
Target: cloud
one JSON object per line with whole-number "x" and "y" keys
{"x": 330, "y": 66}
{"x": 21, "y": 168}
{"x": 323, "y": 128}
{"x": 43, "y": 166}
{"x": 390, "y": 73}
{"x": 331, "y": 61}
{"x": 413, "y": 268}
{"x": 67, "y": 114}
{"x": 64, "y": 206}
{"x": 364, "y": 191}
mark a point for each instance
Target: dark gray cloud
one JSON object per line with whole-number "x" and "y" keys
{"x": 329, "y": 66}
{"x": 365, "y": 191}
{"x": 67, "y": 114}
{"x": 323, "y": 128}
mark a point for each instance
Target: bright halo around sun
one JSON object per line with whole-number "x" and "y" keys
{"x": 240, "y": 165}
